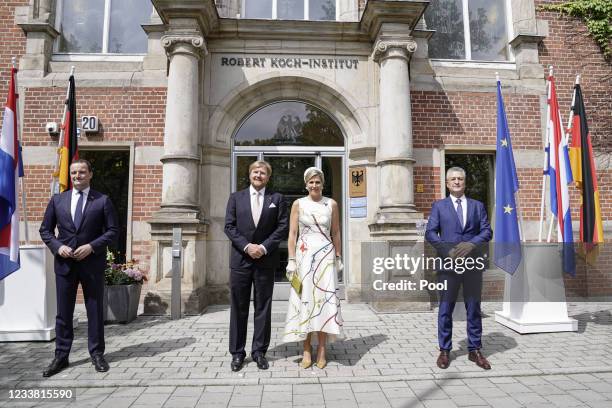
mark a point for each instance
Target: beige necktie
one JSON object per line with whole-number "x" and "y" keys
{"x": 256, "y": 209}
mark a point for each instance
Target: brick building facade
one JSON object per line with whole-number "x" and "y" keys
{"x": 453, "y": 111}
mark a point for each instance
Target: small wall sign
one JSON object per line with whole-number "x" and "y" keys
{"x": 357, "y": 182}
{"x": 89, "y": 124}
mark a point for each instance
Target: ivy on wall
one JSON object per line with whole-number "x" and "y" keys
{"x": 596, "y": 13}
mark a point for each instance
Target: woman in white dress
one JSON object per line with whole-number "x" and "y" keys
{"x": 315, "y": 258}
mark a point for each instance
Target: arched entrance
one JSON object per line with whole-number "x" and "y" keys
{"x": 291, "y": 135}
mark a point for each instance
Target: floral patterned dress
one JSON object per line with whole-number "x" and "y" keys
{"x": 318, "y": 307}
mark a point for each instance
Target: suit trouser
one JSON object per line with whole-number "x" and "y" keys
{"x": 241, "y": 281}
{"x": 93, "y": 291}
{"x": 472, "y": 288}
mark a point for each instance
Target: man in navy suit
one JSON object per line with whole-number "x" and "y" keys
{"x": 459, "y": 229}
{"x": 87, "y": 223}
{"x": 256, "y": 223}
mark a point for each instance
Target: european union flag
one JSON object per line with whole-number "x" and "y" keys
{"x": 507, "y": 253}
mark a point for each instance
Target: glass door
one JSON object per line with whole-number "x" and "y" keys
{"x": 288, "y": 179}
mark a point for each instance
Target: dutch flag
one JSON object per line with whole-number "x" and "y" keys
{"x": 9, "y": 184}
{"x": 560, "y": 175}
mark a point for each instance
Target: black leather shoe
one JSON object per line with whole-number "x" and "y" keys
{"x": 57, "y": 365}
{"x": 99, "y": 363}
{"x": 237, "y": 362}
{"x": 261, "y": 361}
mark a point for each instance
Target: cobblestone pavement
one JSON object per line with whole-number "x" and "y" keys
{"x": 386, "y": 360}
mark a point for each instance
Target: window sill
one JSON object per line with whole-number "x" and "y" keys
{"x": 448, "y": 63}
{"x": 285, "y": 19}
{"x": 98, "y": 57}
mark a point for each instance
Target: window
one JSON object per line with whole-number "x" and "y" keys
{"x": 290, "y": 9}
{"x": 479, "y": 175}
{"x": 289, "y": 123}
{"x": 468, "y": 29}
{"x": 102, "y": 26}
{"x": 112, "y": 177}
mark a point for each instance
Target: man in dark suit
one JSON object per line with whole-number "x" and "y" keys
{"x": 459, "y": 229}
{"x": 256, "y": 223}
{"x": 87, "y": 223}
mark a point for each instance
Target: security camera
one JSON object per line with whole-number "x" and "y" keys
{"x": 51, "y": 127}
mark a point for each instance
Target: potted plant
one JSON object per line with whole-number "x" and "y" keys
{"x": 122, "y": 290}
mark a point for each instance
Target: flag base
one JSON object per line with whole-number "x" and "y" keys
{"x": 534, "y": 297}
{"x": 524, "y": 327}
{"x": 46, "y": 334}
{"x": 27, "y": 298}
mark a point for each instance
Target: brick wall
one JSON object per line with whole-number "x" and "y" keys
{"x": 12, "y": 43}
{"x": 440, "y": 118}
{"x": 125, "y": 114}
{"x": 428, "y": 177}
{"x": 130, "y": 114}
{"x": 12, "y": 39}
{"x": 571, "y": 51}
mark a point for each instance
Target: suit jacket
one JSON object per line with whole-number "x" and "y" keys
{"x": 444, "y": 230}
{"x": 270, "y": 231}
{"x": 98, "y": 228}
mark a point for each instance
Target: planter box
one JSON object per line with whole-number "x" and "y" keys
{"x": 121, "y": 303}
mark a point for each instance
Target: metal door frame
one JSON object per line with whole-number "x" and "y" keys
{"x": 281, "y": 289}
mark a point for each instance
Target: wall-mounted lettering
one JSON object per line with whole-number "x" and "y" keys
{"x": 290, "y": 62}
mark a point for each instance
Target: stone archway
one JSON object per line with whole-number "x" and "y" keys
{"x": 271, "y": 88}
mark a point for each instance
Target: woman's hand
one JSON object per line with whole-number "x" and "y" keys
{"x": 291, "y": 269}
{"x": 339, "y": 264}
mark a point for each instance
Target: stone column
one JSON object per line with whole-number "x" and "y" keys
{"x": 185, "y": 48}
{"x": 397, "y": 213}
{"x": 396, "y": 219}
{"x": 181, "y": 157}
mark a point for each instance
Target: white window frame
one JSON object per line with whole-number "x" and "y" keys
{"x": 468, "y": 42}
{"x": 92, "y": 56}
{"x": 275, "y": 10}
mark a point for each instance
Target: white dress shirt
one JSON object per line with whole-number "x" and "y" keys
{"x": 256, "y": 210}
{"x": 75, "y": 199}
{"x": 463, "y": 207}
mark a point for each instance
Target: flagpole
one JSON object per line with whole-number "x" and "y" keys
{"x": 548, "y": 118}
{"x": 546, "y": 155}
{"x": 60, "y": 142}
{"x": 20, "y": 157}
{"x": 571, "y": 114}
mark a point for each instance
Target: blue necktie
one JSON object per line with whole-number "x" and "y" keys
{"x": 460, "y": 212}
{"x": 78, "y": 213}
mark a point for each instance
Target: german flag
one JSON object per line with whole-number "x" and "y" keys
{"x": 69, "y": 150}
{"x": 585, "y": 176}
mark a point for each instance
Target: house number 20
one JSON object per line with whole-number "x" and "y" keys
{"x": 89, "y": 124}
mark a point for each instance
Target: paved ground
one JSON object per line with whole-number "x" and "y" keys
{"x": 387, "y": 360}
